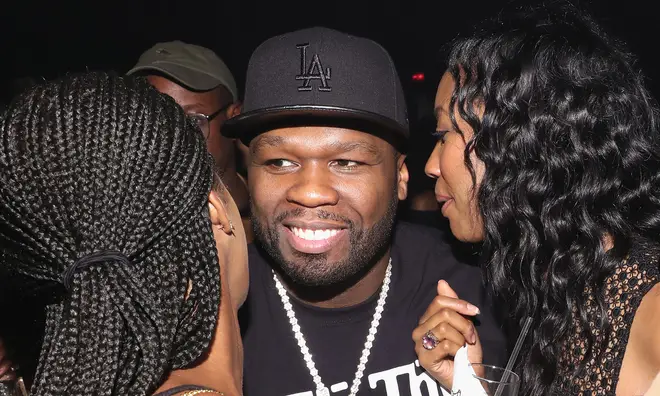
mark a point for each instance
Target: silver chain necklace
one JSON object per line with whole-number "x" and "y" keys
{"x": 321, "y": 389}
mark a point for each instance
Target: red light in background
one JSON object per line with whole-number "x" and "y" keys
{"x": 418, "y": 77}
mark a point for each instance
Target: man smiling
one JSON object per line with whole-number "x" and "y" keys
{"x": 335, "y": 287}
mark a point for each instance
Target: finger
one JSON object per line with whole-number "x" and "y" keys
{"x": 429, "y": 358}
{"x": 444, "y": 289}
{"x": 445, "y": 331}
{"x": 442, "y": 302}
{"x": 441, "y": 332}
{"x": 451, "y": 319}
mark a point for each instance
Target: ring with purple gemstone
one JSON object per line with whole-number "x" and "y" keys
{"x": 430, "y": 341}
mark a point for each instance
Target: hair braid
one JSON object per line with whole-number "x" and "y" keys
{"x": 98, "y": 162}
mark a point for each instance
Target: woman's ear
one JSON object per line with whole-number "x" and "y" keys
{"x": 218, "y": 214}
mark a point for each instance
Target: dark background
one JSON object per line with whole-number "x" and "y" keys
{"x": 48, "y": 39}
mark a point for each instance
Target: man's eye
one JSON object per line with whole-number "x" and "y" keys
{"x": 199, "y": 120}
{"x": 347, "y": 164}
{"x": 279, "y": 163}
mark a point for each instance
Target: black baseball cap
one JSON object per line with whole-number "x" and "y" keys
{"x": 320, "y": 76}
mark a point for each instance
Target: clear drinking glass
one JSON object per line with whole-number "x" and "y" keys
{"x": 497, "y": 381}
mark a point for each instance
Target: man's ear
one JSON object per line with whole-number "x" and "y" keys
{"x": 404, "y": 177}
{"x": 234, "y": 110}
{"x": 218, "y": 214}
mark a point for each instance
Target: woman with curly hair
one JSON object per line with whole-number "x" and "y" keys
{"x": 548, "y": 154}
{"x": 117, "y": 238}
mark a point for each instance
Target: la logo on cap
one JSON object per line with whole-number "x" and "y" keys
{"x": 313, "y": 71}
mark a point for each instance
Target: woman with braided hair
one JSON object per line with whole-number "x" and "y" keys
{"x": 114, "y": 232}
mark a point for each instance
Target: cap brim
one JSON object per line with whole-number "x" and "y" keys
{"x": 194, "y": 80}
{"x": 247, "y": 126}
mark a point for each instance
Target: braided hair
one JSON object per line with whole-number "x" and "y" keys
{"x": 94, "y": 163}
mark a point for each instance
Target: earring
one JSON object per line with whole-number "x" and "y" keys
{"x": 231, "y": 227}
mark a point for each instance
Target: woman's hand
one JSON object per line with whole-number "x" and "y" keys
{"x": 442, "y": 331}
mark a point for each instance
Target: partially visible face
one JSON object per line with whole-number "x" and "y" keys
{"x": 234, "y": 249}
{"x": 324, "y": 200}
{"x": 454, "y": 188}
{"x": 207, "y": 103}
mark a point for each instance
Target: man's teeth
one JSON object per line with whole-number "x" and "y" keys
{"x": 313, "y": 235}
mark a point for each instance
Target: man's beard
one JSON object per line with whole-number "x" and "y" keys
{"x": 367, "y": 246}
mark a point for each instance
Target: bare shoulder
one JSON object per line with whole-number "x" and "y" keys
{"x": 646, "y": 324}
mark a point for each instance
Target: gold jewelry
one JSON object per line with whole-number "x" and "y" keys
{"x": 197, "y": 392}
{"x": 231, "y": 227}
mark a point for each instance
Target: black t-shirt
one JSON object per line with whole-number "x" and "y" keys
{"x": 274, "y": 365}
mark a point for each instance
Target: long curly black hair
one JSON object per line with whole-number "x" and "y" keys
{"x": 95, "y": 163}
{"x": 569, "y": 141}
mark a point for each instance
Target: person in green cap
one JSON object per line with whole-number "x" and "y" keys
{"x": 200, "y": 82}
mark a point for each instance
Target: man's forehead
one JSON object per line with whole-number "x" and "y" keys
{"x": 319, "y": 138}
